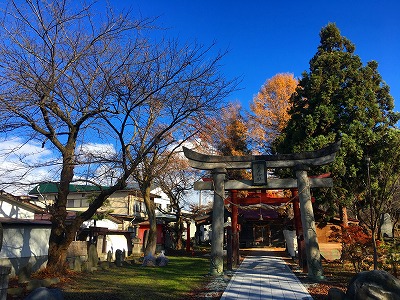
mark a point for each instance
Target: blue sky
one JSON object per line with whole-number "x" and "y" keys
{"x": 269, "y": 37}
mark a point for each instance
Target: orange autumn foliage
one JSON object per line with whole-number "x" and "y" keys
{"x": 227, "y": 133}
{"x": 270, "y": 108}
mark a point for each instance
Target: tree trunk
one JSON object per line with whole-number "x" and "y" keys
{"x": 60, "y": 237}
{"x": 343, "y": 216}
{"x": 375, "y": 256}
{"x": 57, "y": 254}
{"x": 151, "y": 245}
{"x": 179, "y": 231}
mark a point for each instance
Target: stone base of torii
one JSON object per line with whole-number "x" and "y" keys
{"x": 299, "y": 162}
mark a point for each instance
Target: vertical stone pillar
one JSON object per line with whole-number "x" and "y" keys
{"x": 229, "y": 250}
{"x": 299, "y": 231}
{"x": 235, "y": 233}
{"x": 187, "y": 236}
{"x": 308, "y": 222}
{"x": 217, "y": 241}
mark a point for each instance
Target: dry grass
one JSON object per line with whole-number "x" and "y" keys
{"x": 132, "y": 281}
{"x": 336, "y": 274}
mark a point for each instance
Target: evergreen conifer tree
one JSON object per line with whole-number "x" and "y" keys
{"x": 339, "y": 98}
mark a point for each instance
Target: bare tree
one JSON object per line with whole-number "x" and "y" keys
{"x": 176, "y": 181}
{"x": 181, "y": 88}
{"x": 69, "y": 78}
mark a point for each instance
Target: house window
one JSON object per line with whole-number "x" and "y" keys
{"x": 77, "y": 203}
{"x": 139, "y": 207}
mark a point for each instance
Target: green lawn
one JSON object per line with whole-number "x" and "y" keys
{"x": 175, "y": 281}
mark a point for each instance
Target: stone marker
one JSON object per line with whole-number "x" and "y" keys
{"x": 386, "y": 226}
{"x": 77, "y": 264}
{"x": 93, "y": 258}
{"x": 118, "y": 257}
{"x": 109, "y": 256}
{"x": 43, "y": 293}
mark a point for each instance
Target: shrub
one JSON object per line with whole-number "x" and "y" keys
{"x": 391, "y": 256}
{"x": 356, "y": 246}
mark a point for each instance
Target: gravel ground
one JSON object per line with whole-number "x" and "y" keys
{"x": 214, "y": 287}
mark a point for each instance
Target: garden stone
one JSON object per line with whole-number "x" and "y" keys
{"x": 149, "y": 261}
{"x": 118, "y": 257}
{"x": 336, "y": 294}
{"x": 373, "y": 285}
{"x": 161, "y": 260}
{"x": 43, "y": 293}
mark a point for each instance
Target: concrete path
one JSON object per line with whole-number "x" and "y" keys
{"x": 264, "y": 276}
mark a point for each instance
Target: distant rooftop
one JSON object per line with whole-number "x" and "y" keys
{"x": 52, "y": 188}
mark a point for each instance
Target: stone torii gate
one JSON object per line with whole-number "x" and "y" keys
{"x": 299, "y": 162}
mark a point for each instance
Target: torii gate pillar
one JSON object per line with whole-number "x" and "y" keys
{"x": 217, "y": 245}
{"x": 308, "y": 223}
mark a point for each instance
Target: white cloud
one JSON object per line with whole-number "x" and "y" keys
{"x": 97, "y": 150}
{"x": 22, "y": 164}
{"x": 15, "y": 149}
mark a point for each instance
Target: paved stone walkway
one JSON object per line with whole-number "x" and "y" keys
{"x": 264, "y": 277}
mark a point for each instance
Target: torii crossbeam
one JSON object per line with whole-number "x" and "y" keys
{"x": 299, "y": 162}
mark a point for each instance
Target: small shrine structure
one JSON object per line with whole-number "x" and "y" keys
{"x": 300, "y": 163}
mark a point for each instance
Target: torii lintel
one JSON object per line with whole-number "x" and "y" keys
{"x": 312, "y": 158}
